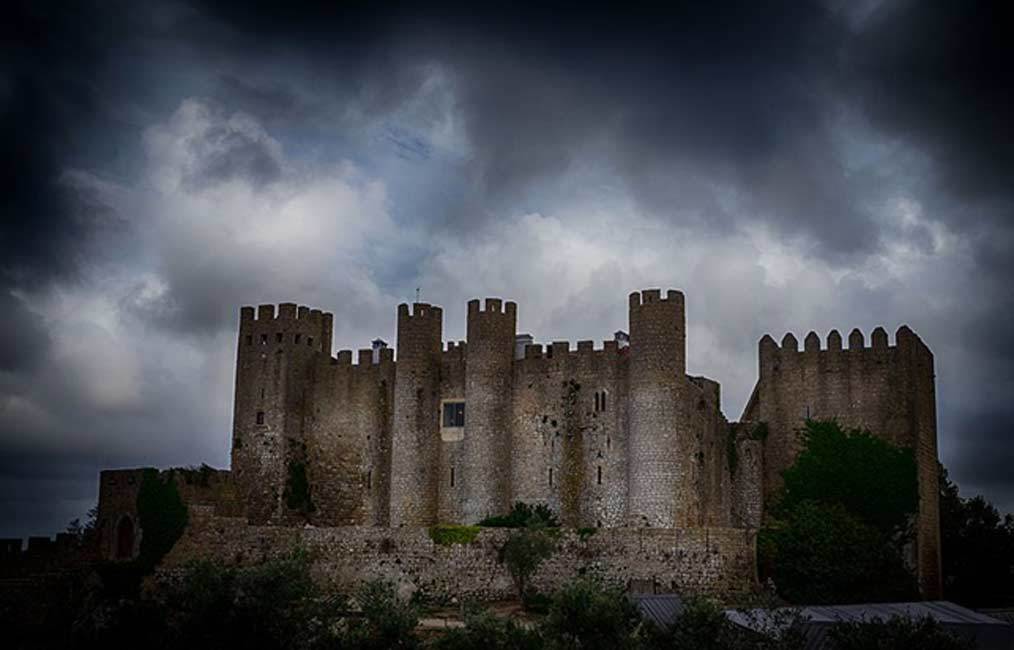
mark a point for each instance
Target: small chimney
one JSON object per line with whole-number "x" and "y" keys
{"x": 378, "y": 345}
{"x": 521, "y": 341}
{"x": 622, "y": 339}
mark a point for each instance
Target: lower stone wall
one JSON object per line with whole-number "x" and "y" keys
{"x": 719, "y": 561}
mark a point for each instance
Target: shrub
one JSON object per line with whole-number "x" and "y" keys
{"x": 897, "y": 632}
{"x": 387, "y": 621}
{"x": 448, "y": 534}
{"x": 483, "y": 630}
{"x": 522, "y": 516}
{"x": 162, "y": 516}
{"x": 589, "y": 614}
{"x": 523, "y": 552}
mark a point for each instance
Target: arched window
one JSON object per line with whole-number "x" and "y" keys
{"x": 125, "y": 539}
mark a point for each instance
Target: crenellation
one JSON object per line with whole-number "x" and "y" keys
{"x": 856, "y": 341}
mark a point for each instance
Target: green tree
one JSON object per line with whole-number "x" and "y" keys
{"x": 522, "y": 554}
{"x": 837, "y": 530}
{"x": 589, "y": 614}
{"x": 822, "y": 554}
{"x": 871, "y": 478}
{"x": 977, "y": 548}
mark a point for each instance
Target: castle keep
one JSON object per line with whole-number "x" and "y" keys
{"x": 613, "y": 436}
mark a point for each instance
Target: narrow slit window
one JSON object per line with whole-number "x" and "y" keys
{"x": 264, "y": 339}
{"x": 278, "y": 337}
{"x": 309, "y": 341}
{"x": 550, "y": 477}
{"x": 596, "y": 402}
{"x": 296, "y": 338}
{"x": 260, "y": 417}
{"x": 452, "y": 477}
{"x": 369, "y": 480}
{"x": 600, "y": 475}
{"x": 604, "y": 393}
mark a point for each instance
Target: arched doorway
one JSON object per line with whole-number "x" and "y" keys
{"x": 125, "y": 539}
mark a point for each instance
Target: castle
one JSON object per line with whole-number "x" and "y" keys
{"x": 610, "y": 437}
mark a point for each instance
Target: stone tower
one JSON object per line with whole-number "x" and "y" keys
{"x": 489, "y": 366}
{"x": 658, "y": 495}
{"x": 415, "y": 457}
{"x": 273, "y": 365}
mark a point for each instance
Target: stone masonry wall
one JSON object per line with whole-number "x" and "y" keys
{"x": 698, "y": 560}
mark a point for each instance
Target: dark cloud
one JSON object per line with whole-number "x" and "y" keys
{"x": 797, "y": 118}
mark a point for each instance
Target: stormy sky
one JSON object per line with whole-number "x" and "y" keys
{"x": 790, "y": 166}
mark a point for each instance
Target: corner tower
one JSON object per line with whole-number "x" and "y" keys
{"x": 415, "y": 448}
{"x": 273, "y": 370}
{"x": 660, "y": 494}
{"x": 486, "y": 465}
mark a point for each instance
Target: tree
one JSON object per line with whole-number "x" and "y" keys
{"x": 837, "y": 530}
{"x": 822, "y": 554}
{"x": 523, "y": 552}
{"x": 868, "y": 476}
{"x": 589, "y": 614}
{"x": 977, "y": 548}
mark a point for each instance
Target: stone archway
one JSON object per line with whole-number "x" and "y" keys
{"x": 125, "y": 539}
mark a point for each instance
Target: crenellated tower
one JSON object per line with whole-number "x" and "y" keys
{"x": 489, "y": 366}
{"x": 415, "y": 454}
{"x": 662, "y": 481}
{"x": 273, "y": 368}
{"x": 886, "y": 389}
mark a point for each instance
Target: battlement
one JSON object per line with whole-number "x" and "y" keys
{"x": 287, "y": 311}
{"x": 419, "y": 310}
{"x": 651, "y": 296}
{"x": 364, "y": 358}
{"x": 905, "y": 339}
{"x": 492, "y": 306}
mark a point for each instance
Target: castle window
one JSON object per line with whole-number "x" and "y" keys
{"x": 596, "y": 402}
{"x": 309, "y": 341}
{"x": 249, "y": 339}
{"x": 600, "y": 401}
{"x": 600, "y": 475}
{"x": 296, "y": 339}
{"x": 604, "y": 393}
{"x": 369, "y": 480}
{"x": 264, "y": 339}
{"x": 550, "y": 477}
{"x": 278, "y": 337}
{"x": 452, "y": 477}
{"x": 260, "y": 417}
{"x": 454, "y": 414}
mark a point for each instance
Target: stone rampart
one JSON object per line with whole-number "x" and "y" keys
{"x": 716, "y": 561}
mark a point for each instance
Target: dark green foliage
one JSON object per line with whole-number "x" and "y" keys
{"x": 522, "y": 554}
{"x": 297, "y": 488}
{"x": 822, "y": 554}
{"x": 162, "y": 517}
{"x": 588, "y": 614}
{"x": 895, "y": 634}
{"x": 447, "y": 534}
{"x": 485, "y": 631}
{"x": 837, "y": 531}
{"x": 977, "y": 546}
{"x": 868, "y": 476}
{"x": 386, "y": 621}
{"x": 585, "y": 533}
{"x": 524, "y": 515}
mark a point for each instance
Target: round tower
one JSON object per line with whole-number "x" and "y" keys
{"x": 415, "y": 443}
{"x": 660, "y": 491}
{"x": 488, "y": 384}
{"x": 273, "y": 370}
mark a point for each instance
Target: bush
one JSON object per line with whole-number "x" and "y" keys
{"x": 895, "y": 633}
{"x": 387, "y": 621}
{"x": 524, "y": 516}
{"x": 523, "y": 552}
{"x": 447, "y": 534}
{"x": 162, "y": 516}
{"x": 483, "y": 630}
{"x": 821, "y": 554}
{"x": 589, "y": 614}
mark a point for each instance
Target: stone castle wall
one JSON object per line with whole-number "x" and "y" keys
{"x": 886, "y": 389}
{"x": 716, "y": 561}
